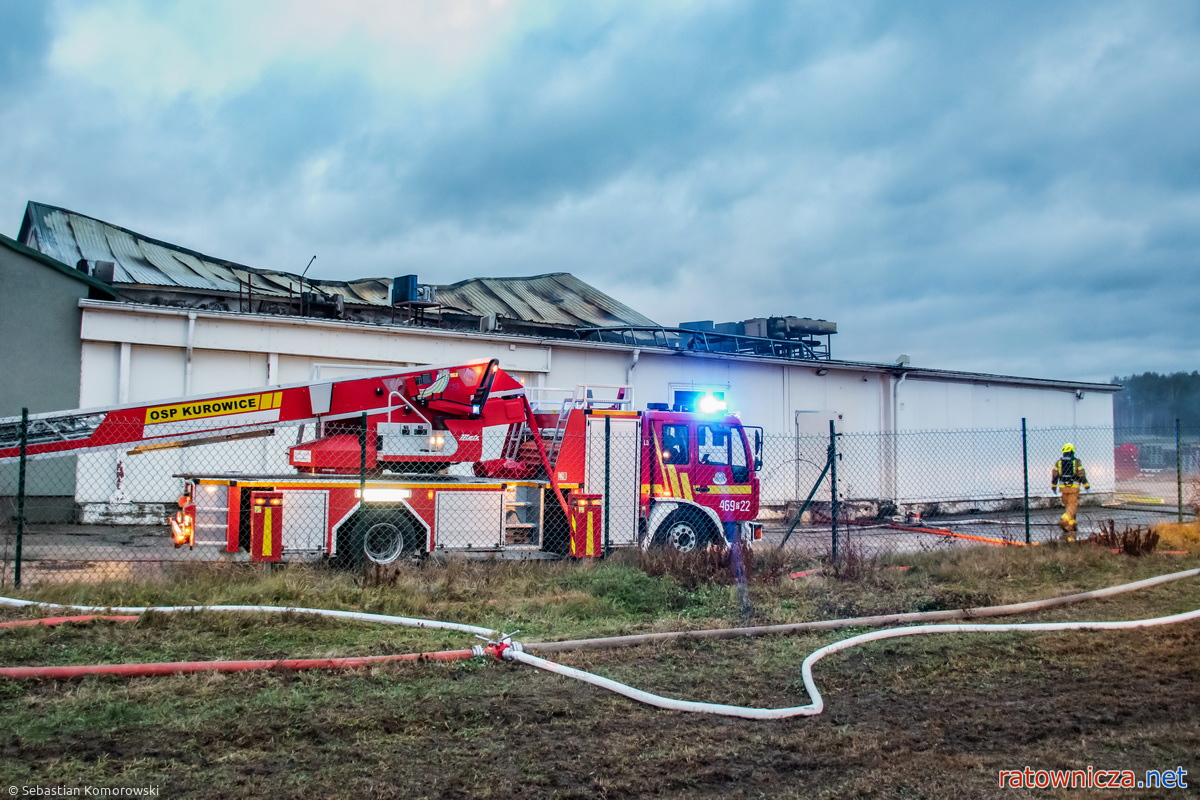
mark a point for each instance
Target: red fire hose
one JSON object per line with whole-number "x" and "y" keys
{"x": 968, "y": 536}
{"x": 185, "y": 667}
{"x": 21, "y": 623}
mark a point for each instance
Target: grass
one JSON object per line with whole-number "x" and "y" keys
{"x": 916, "y": 717}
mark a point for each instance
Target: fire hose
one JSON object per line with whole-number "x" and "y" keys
{"x": 504, "y": 648}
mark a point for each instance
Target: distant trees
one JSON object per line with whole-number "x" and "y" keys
{"x": 1151, "y": 400}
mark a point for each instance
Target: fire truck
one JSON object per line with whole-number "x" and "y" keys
{"x": 396, "y": 468}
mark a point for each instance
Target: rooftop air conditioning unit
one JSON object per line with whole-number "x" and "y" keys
{"x": 404, "y": 289}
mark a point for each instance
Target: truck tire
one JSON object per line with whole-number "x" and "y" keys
{"x": 384, "y": 542}
{"x": 378, "y": 536}
{"x": 685, "y": 530}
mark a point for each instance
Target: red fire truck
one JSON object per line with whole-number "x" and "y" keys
{"x": 383, "y": 478}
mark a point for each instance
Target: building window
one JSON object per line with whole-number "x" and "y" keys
{"x": 675, "y": 444}
{"x": 689, "y": 399}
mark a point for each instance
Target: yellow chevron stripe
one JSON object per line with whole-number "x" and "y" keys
{"x": 687, "y": 485}
{"x": 673, "y": 477}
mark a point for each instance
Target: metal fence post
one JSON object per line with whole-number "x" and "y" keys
{"x": 1178, "y": 473}
{"x": 833, "y": 486}
{"x": 796, "y": 455}
{"x": 1025, "y": 472}
{"x": 607, "y": 478}
{"x": 21, "y": 497}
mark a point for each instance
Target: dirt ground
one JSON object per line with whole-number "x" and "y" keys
{"x": 920, "y": 718}
{"x": 929, "y": 733}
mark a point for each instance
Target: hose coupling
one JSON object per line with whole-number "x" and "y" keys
{"x": 501, "y": 648}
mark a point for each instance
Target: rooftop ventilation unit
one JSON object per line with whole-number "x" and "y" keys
{"x": 405, "y": 290}
{"x": 100, "y": 270}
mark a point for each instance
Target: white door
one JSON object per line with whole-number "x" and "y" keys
{"x": 305, "y": 519}
{"x": 624, "y": 474}
{"x": 469, "y": 519}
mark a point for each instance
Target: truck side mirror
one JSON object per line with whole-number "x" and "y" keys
{"x": 758, "y": 445}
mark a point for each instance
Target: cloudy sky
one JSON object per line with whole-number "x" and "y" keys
{"x": 1008, "y": 187}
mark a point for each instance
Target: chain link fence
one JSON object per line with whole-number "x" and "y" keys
{"x": 926, "y": 490}
{"x": 272, "y": 494}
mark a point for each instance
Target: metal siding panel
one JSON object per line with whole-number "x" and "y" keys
{"x": 219, "y": 276}
{"x": 559, "y": 298}
{"x": 175, "y": 271}
{"x": 57, "y": 240}
{"x": 130, "y": 259}
{"x": 90, "y": 241}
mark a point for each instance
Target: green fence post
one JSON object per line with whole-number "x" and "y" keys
{"x": 21, "y": 497}
{"x": 1025, "y": 472}
{"x": 1178, "y": 473}
{"x": 607, "y": 478}
{"x": 833, "y": 486}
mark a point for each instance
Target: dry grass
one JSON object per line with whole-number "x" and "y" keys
{"x": 932, "y": 717}
{"x": 1179, "y": 536}
{"x": 1132, "y": 540}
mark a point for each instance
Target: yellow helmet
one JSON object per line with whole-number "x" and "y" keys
{"x": 1068, "y": 448}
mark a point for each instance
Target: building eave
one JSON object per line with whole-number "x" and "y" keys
{"x": 498, "y": 338}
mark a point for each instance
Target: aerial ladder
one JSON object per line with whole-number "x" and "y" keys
{"x": 377, "y": 482}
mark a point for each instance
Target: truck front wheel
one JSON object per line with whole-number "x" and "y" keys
{"x": 685, "y": 531}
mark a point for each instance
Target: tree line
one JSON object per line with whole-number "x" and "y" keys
{"x": 1151, "y": 400}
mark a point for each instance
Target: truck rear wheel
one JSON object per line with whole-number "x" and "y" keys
{"x": 384, "y": 542}
{"x": 378, "y": 536}
{"x": 684, "y": 530}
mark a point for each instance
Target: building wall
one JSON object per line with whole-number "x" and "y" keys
{"x": 134, "y": 354}
{"x": 39, "y": 327}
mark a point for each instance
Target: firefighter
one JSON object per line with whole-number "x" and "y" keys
{"x": 1068, "y": 475}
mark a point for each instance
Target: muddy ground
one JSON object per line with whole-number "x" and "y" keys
{"x": 935, "y": 718}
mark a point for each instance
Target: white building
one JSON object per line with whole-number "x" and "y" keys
{"x": 185, "y": 326}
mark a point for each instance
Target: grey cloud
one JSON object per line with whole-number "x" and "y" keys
{"x": 942, "y": 178}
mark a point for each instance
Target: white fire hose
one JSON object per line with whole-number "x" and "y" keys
{"x": 818, "y": 703}
{"x": 386, "y": 619}
{"x": 503, "y": 648}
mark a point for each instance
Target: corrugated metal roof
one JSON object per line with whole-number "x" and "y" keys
{"x": 101, "y": 288}
{"x": 558, "y": 298}
{"x": 68, "y": 237}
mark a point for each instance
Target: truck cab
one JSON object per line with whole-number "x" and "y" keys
{"x": 701, "y": 482}
{"x": 668, "y": 477}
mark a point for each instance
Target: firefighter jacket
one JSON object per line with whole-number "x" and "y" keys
{"x": 1069, "y": 471}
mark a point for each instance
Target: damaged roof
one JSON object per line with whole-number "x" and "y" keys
{"x": 556, "y": 299}
{"x": 97, "y": 288}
